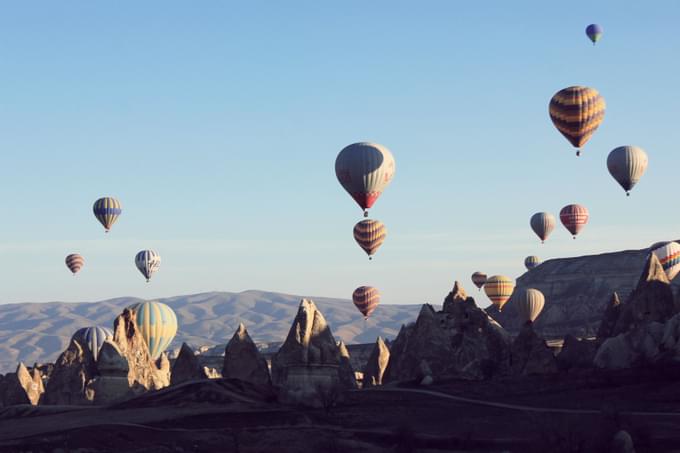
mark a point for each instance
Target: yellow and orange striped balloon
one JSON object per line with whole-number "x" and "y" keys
{"x": 499, "y": 288}
{"x": 577, "y": 112}
{"x": 366, "y": 299}
{"x": 370, "y": 235}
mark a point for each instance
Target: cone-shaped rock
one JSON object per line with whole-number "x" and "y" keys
{"x": 530, "y": 354}
{"x": 112, "y": 385}
{"x": 457, "y": 294}
{"x": 72, "y": 378}
{"x": 377, "y": 362}
{"x": 651, "y": 301}
{"x": 15, "y": 388}
{"x": 187, "y": 367}
{"x": 346, "y": 371}
{"x": 609, "y": 318}
{"x": 243, "y": 361}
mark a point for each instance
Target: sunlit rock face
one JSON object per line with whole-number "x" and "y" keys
{"x": 243, "y": 361}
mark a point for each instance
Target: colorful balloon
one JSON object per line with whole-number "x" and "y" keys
{"x": 370, "y": 235}
{"x": 148, "y": 262}
{"x": 92, "y": 338}
{"x": 669, "y": 257}
{"x": 74, "y": 262}
{"x": 577, "y": 112}
{"x": 531, "y": 262}
{"x": 158, "y": 325}
{"x": 543, "y": 223}
{"x": 574, "y": 217}
{"x": 365, "y": 170}
{"x": 529, "y": 304}
{"x": 366, "y": 299}
{"x": 479, "y": 278}
{"x": 107, "y": 210}
{"x": 499, "y": 288}
{"x": 627, "y": 164}
{"x": 594, "y": 32}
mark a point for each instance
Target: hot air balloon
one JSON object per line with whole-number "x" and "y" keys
{"x": 542, "y": 223}
{"x": 147, "y": 262}
{"x": 574, "y": 217}
{"x": 157, "y": 324}
{"x": 107, "y": 210}
{"x": 366, "y": 299}
{"x": 529, "y": 304}
{"x": 669, "y": 257}
{"x": 479, "y": 278}
{"x": 531, "y": 262}
{"x": 74, "y": 262}
{"x": 577, "y": 112}
{"x": 93, "y": 338}
{"x": 594, "y": 32}
{"x": 499, "y": 288}
{"x": 365, "y": 170}
{"x": 370, "y": 234}
{"x": 627, "y": 164}
{"x": 656, "y": 245}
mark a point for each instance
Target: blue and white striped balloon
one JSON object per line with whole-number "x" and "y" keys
{"x": 158, "y": 325}
{"x": 93, "y": 338}
{"x": 148, "y": 262}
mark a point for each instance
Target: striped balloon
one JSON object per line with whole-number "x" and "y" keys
{"x": 107, "y": 210}
{"x": 531, "y": 262}
{"x": 543, "y": 223}
{"x": 479, "y": 278}
{"x": 594, "y": 32}
{"x": 158, "y": 325}
{"x": 93, "y": 338}
{"x": 365, "y": 170}
{"x": 74, "y": 262}
{"x": 370, "y": 234}
{"x": 577, "y": 112}
{"x": 669, "y": 257}
{"x": 366, "y": 299}
{"x": 529, "y": 304}
{"x": 499, "y": 288}
{"x": 627, "y": 164}
{"x": 574, "y": 217}
{"x": 148, "y": 262}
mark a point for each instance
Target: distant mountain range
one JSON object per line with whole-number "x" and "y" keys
{"x": 38, "y": 332}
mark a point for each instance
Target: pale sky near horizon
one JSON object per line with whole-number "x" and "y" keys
{"x": 217, "y": 125}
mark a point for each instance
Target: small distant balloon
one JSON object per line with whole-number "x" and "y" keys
{"x": 107, "y": 210}
{"x": 594, "y": 32}
{"x": 574, "y": 217}
{"x": 148, "y": 262}
{"x": 479, "y": 278}
{"x": 577, "y": 112}
{"x": 531, "y": 262}
{"x": 370, "y": 235}
{"x": 366, "y": 299}
{"x": 498, "y": 289}
{"x": 543, "y": 223}
{"x": 74, "y": 262}
{"x": 627, "y": 164}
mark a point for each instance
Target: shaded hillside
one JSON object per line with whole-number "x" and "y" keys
{"x": 38, "y": 332}
{"x": 576, "y": 291}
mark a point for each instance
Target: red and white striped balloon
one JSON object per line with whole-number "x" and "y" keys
{"x": 574, "y": 217}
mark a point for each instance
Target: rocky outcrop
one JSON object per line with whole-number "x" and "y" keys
{"x": 530, "y": 355}
{"x": 635, "y": 348}
{"x": 609, "y": 318}
{"x": 187, "y": 367}
{"x": 377, "y": 362}
{"x": 307, "y": 367}
{"x": 112, "y": 384}
{"x": 576, "y": 353}
{"x": 456, "y": 295}
{"x": 72, "y": 378}
{"x": 243, "y": 361}
{"x": 18, "y": 388}
{"x": 461, "y": 341}
{"x": 345, "y": 370}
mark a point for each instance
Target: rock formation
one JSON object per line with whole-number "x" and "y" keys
{"x": 19, "y": 388}
{"x": 72, "y": 378}
{"x": 609, "y": 318}
{"x": 346, "y": 371}
{"x": 457, "y": 294}
{"x": 635, "y": 348}
{"x": 112, "y": 385}
{"x": 308, "y": 363}
{"x": 530, "y": 354}
{"x": 576, "y": 353}
{"x": 377, "y": 362}
{"x": 243, "y": 361}
{"x": 187, "y": 367}
{"x": 460, "y": 341}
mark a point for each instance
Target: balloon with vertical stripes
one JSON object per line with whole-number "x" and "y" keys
{"x": 498, "y": 289}
{"x": 93, "y": 338}
{"x": 543, "y": 223}
{"x": 107, "y": 210}
{"x": 531, "y": 262}
{"x": 529, "y": 304}
{"x": 148, "y": 262}
{"x": 627, "y": 164}
{"x": 157, "y": 323}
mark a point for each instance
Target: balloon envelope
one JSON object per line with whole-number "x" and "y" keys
{"x": 366, "y": 299}
{"x": 107, "y": 210}
{"x": 148, "y": 262}
{"x": 529, "y": 304}
{"x": 574, "y": 217}
{"x": 364, "y": 171}
{"x": 479, "y": 278}
{"x": 543, "y": 223}
{"x": 370, "y": 235}
{"x": 669, "y": 257}
{"x": 627, "y": 164}
{"x": 594, "y": 32}
{"x": 74, "y": 262}
{"x": 93, "y": 338}
{"x": 499, "y": 288}
{"x": 531, "y": 262}
{"x": 577, "y": 112}
{"x": 158, "y": 325}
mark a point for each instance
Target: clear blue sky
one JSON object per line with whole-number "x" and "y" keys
{"x": 217, "y": 125}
